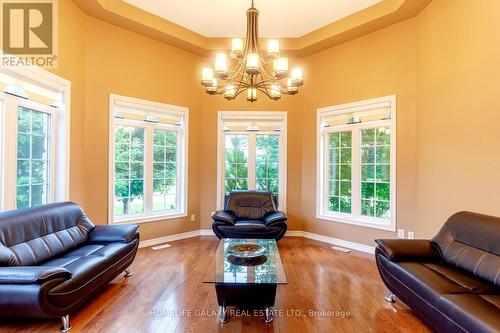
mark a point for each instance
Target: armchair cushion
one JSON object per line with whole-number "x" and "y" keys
{"x": 275, "y": 217}
{"x": 408, "y": 250}
{"x": 113, "y": 233}
{"x": 224, "y": 216}
{"x": 32, "y": 274}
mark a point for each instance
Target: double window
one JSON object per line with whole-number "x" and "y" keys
{"x": 252, "y": 153}
{"x": 33, "y": 121}
{"x": 148, "y": 161}
{"x": 356, "y": 163}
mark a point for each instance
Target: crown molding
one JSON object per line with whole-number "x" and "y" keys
{"x": 371, "y": 19}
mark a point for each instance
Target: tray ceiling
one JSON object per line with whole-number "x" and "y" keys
{"x": 278, "y": 18}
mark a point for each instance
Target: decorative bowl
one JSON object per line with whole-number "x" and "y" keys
{"x": 246, "y": 251}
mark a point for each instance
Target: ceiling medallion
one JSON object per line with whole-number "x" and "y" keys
{"x": 252, "y": 68}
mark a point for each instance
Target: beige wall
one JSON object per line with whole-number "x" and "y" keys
{"x": 442, "y": 65}
{"x": 458, "y": 120}
{"x": 380, "y": 64}
{"x": 125, "y": 63}
{"x": 72, "y": 68}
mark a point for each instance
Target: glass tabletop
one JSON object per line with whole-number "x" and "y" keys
{"x": 267, "y": 269}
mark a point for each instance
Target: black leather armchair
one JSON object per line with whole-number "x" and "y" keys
{"x": 452, "y": 281}
{"x": 250, "y": 214}
{"x": 53, "y": 260}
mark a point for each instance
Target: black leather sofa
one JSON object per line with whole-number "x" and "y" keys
{"x": 53, "y": 260}
{"x": 452, "y": 281}
{"x": 250, "y": 214}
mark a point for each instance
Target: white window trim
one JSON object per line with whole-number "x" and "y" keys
{"x": 375, "y": 103}
{"x": 44, "y": 79}
{"x": 244, "y": 115}
{"x": 149, "y": 106}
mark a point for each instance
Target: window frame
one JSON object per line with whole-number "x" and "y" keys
{"x": 250, "y": 116}
{"x": 149, "y": 215}
{"x": 355, "y": 217}
{"x": 38, "y": 80}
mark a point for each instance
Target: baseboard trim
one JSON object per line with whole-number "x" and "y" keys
{"x": 207, "y": 232}
{"x": 169, "y": 238}
{"x": 331, "y": 240}
{"x": 289, "y": 233}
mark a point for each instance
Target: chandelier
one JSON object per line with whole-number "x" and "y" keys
{"x": 252, "y": 69}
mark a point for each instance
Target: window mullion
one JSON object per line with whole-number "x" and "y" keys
{"x": 179, "y": 192}
{"x": 356, "y": 172}
{"x": 52, "y": 158}
{"x": 325, "y": 180}
{"x": 10, "y": 153}
{"x": 148, "y": 169}
{"x": 252, "y": 151}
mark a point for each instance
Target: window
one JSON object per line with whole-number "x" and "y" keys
{"x": 34, "y": 118}
{"x": 33, "y": 158}
{"x": 148, "y": 166}
{"x": 356, "y": 163}
{"x": 252, "y": 154}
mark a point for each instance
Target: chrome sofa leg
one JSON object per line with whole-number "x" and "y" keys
{"x": 66, "y": 327}
{"x": 224, "y": 315}
{"x": 127, "y": 273}
{"x": 390, "y": 297}
{"x": 268, "y": 315}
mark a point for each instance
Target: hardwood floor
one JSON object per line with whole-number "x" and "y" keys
{"x": 169, "y": 281}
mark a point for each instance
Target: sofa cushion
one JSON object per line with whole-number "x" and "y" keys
{"x": 252, "y": 205}
{"x": 86, "y": 264}
{"x": 476, "y": 250}
{"x": 474, "y": 313}
{"x": 33, "y": 235}
{"x": 471, "y": 283}
{"x": 424, "y": 281}
{"x": 250, "y": 224}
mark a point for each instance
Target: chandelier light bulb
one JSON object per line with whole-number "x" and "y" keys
{"x": 252, "y": 94}
{"x": 229, "y": 92}
{"x": 275, "y": 92}
{"x": 273, "y": 48}
{"x": 290, "y": 88}
{"x": 253, "y": 64}
{"x": 212, "y": 89}
{"x": 297, "y": 77}
{"x": 280, "y": 66}
{"x": 221, "y": 66}
{"x": 207, "y": 74}
{"x": 237, "y": 48}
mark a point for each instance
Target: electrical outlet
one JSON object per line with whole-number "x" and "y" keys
{"x": 193, "y": 217}
{"x": 411, "y": 235}
{"x": 401, "y": 233}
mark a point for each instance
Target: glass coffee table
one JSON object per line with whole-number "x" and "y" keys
{"x": 246, "y": 283}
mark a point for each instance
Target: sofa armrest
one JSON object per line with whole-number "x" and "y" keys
{"x": 408, "y": 250}
{"x": 225, "y": 216}
{"x": 113, "y": 233}
{"x": 32, "y": 274}
{"x": 275, "y": 217}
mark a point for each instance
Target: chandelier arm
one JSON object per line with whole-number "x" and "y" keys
{"x": 265, "y": 92}
{"x": 270, "y": 75}
{"x": 263, "y": 85}
{"x": 266, "y": 82}
{"x": 238, "y": 93}
{"x": 239, "y": 85}
{"x": 235, "y": 72}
